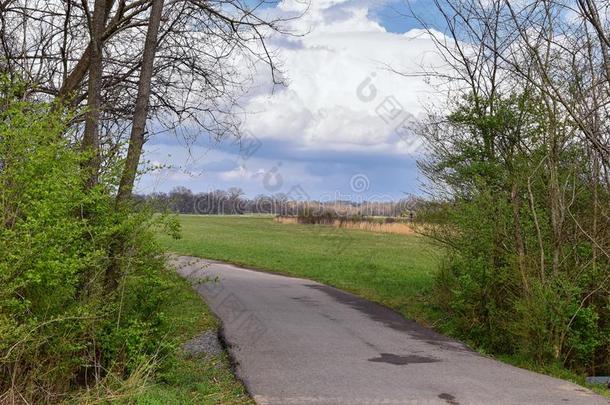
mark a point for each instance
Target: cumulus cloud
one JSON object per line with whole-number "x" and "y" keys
{"x": 339, "y": 80}
{"x": 341, "y": 112}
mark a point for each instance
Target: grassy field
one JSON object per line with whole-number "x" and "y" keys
{"x": 395, "y": 270}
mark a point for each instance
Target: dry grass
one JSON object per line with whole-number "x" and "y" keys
{"x": 394, "y": 227}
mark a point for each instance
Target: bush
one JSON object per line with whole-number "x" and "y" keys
{"x": 312, "y": 217}
{"x": 527, "y": 274}
{"x": 63, "y": 325}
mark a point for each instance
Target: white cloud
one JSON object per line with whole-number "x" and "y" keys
{"x": 240, "y": 173}
{"x": 331, "y": 15}
{"x": 329, "y": 103}
{"x": 325, "y": 126}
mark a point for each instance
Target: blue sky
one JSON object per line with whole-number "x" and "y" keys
{"x": 397, "y": 16}
{"x": 340, "y": 129}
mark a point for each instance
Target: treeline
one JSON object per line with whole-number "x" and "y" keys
{"x": 233, "y": 202}
{"x": 522, "y": 161}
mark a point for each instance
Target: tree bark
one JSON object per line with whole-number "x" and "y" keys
{"x": 556, "y": 207}
{"x": 136, "y": 140}
{"x": 73, "y": 80}
{"x": 91, "y": 138}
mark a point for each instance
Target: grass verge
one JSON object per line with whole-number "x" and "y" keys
{"x": 192, "y": 380}
{"x": 179, "y": 378}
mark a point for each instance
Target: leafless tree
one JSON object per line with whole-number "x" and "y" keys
{"x": 93, "y": 54}
{"x": 138, "y": 126}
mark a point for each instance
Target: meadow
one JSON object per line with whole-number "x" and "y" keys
{"x": 394, "y": 270}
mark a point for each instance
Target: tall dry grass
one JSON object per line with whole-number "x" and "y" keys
{"x": 401, "y": 228}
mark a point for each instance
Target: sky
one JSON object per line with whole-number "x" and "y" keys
{"x": 341, "y": 129}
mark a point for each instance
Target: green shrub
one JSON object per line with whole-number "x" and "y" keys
{"x": 527, "y": 271}
{"x": 62, "y": 324}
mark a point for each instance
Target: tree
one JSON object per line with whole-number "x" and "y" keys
{"x": 518, "y": 161}
{"x": 199, "y": 64}
{"x": 138, "y": 125}
{"x": 91, "y": 141}
{"x": 84, "y": 283}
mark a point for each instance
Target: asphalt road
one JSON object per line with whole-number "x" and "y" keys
{"x": 295, "y": 341}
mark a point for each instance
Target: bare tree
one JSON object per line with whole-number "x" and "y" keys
{"x": 205, "y": 55}
{"x": 138, "y": 125}
{"x": 91, "y": 141}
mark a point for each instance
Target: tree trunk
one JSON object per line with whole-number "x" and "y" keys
{"x": 596, "y": 173}
{"x": 91, "y": 138}
{"x": 136, "y": 140}
{"x": 556, "y": 207}
{"x": 72, "y": 81}
{"x": 518, "y": 235}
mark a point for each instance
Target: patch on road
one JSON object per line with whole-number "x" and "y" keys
{"x": 403, "y": 360}
{"x": 450, "y": 399}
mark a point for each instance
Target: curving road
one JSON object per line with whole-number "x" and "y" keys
{"x": 295, "y": 341}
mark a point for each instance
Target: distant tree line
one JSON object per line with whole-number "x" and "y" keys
{"x": 234, "y": 202}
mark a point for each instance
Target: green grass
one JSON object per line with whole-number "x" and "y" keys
{"x": 556, "y": 370}
{"x": 394, "y": 270}
{"x": 185, "y": 379}
{"x": 178, "y": 378}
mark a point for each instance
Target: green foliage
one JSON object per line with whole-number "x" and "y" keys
{"x": 523, "y": 277}
{"x": 177, "y": 378}
{"x": 62, "y": 323}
